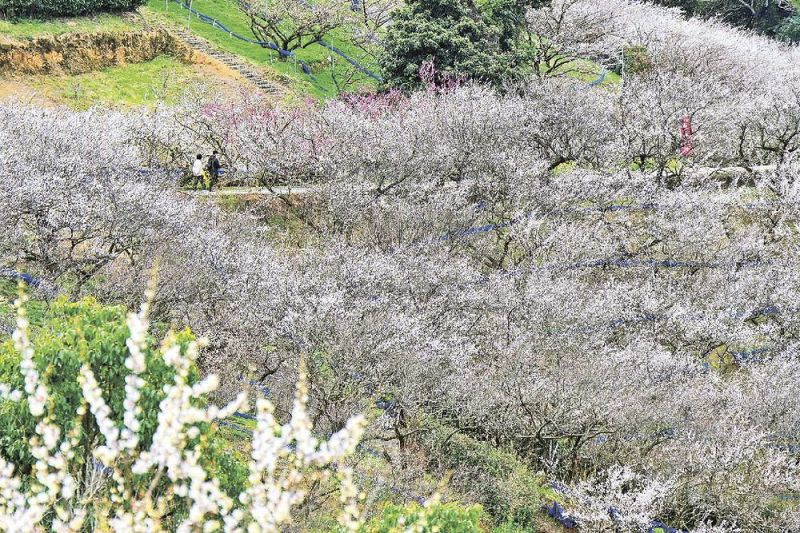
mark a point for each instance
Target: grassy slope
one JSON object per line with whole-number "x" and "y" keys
{"x": 590, "y": 72}
{"x": 162, "y": 80}
{"x": 132, "y": 84}
{"x": 30, "y": 28}
{"x": 315, "y": 56}
{"x": 138, "y": 84}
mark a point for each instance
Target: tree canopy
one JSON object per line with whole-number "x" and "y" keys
{"x": 765, "y": 16}
{"x": 451, "y": 33}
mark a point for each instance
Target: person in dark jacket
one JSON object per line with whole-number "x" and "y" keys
{"x": 213, "y": 170}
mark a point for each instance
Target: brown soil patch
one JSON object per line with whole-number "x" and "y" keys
{"x": 76, "y": 53}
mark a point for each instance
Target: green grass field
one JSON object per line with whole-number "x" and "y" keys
{"x": 31, "y": 28}
{"x": 226, "y": 12}
{"x": 161, "y": 80}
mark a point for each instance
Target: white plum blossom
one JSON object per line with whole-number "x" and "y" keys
{"x": 541, "y": 270}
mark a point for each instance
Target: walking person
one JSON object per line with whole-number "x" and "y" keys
{"x": 213, "y": 169}
{"x": 197, "y": 172}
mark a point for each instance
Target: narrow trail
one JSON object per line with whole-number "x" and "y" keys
{"x": 281, "y": 190}
{"x": 253, "y": 191}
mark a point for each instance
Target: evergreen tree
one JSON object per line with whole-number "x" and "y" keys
{"x": 764, "y": 16}
{"x": 452, "y": 33}
{"x": 508, "y": 17}
{"x": 790, "y": 29}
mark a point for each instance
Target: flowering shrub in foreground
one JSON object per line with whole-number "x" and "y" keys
{"x": 67, "y": 335}
{"x": 139, "y": 486}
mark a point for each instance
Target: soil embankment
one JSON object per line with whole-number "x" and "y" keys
{"x": 78, "y": 53}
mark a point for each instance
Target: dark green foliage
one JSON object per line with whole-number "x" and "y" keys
{"x": 508, "y": 17}
{"x": 636, "y": 60}
{"x": 442, "y": 517}
{"x": 64, "y": 8}
{"x": 452, "y": 33}
{"x": 790, "y": 29}
{"x": 504, "y": 485}
{"x": 765, "y": 16}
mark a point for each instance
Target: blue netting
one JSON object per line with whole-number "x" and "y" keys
{"x": 264, "y": 44}
{"x": 660, "y": 527}
{"x": 475, "y": 230}
{"x": 13, "y": 274}
{"x": 351, "y": 61}
{"x": 235, "y": 427}
{"x": 272, "y": 46}
{"x": 356, "y": 64}
{"x": 600, "y": 79}
{"x": 557, "y": 513}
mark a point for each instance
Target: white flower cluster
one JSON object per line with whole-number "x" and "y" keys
{"x": 274, "y": 490}
{"x": 608, "y": 500}
{"x": 136, "y": 363}
{"x": 285, "y": 458}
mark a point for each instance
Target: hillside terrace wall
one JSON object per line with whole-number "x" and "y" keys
{"x": 78, "y": 53}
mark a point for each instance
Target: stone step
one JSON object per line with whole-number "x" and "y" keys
{"x": 225, "y": 58}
